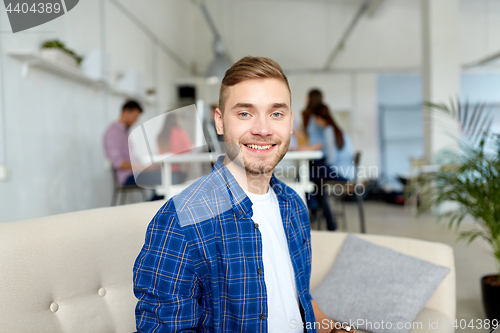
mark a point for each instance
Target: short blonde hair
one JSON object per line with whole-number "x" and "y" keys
{"x": 250, "y": 68}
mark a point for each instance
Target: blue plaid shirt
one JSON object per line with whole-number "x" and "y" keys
{"x": 201, "y": 267}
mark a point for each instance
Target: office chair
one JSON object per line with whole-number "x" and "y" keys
{"x": 121, "y": 191}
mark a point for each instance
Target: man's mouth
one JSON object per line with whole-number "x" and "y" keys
{"x": 260, "y": 147}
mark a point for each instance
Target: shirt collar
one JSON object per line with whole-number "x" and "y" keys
{"x": 234, "y": 194}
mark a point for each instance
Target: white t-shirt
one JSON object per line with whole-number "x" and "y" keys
{"x": 282, "y": 296}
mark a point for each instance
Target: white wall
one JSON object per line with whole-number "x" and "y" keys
{"x": 479, "y": 29}
{"x": 54, "y": 126}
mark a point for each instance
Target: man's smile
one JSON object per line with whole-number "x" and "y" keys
{"x": 260, "y": 147}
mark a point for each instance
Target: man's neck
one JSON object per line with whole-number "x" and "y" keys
{"x": 122, "y": 121}
{"x": 249, "y": 182}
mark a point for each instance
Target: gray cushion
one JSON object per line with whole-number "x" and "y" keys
{"x": 375, "y": 284}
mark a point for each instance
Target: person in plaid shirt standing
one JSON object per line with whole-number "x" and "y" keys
{"x": 232, "y": 252}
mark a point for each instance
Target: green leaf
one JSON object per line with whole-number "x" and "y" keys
{"x": 472, "y": 181}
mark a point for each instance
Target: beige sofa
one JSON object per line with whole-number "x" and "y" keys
{"x": 73, "y": 272}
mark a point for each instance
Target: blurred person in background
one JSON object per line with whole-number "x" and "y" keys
{"x": 336, "y": 165}
{"x": 174, "y": 139}
{"x": 117, "y": 150}
{"x": 116, "y": 143}
{"x": 311, "y": 140}
{"x": 312, "y": 130}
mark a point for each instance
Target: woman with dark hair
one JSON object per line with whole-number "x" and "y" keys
{"x": 174, "y": 139}
{"x": 314, "y": 132}
{"x": 336, "y": 164}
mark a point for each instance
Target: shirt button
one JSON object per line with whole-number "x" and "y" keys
{"x": 240, "y": 212}
{"x": 259, "y": 271}
{"x": 256, "y": 225}
{"x": 262, "y": 316}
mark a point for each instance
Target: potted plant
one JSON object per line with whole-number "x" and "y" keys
{"x": 55, "y": 50}
{"x": 472, "y": 182}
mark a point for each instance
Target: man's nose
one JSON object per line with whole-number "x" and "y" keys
{"x": 262, "y": 126}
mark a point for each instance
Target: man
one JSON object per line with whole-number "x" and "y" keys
{"x": 232, "y": 252}
{"x": 116, "y": 142}
{"x": 117, "y": 150}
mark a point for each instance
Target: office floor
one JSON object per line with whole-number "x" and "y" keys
{"x": 472, "y": 261}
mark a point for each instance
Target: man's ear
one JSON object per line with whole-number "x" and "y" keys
{"x": 219, "y": 124}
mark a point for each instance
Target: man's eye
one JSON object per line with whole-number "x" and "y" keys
{"x": 244, "y": 114}
{"x": 277, "y": 114}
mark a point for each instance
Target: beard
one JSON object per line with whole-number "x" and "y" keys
{"x": 256, "y": 165}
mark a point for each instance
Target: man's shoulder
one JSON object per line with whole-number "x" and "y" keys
{"x": 113, "y": 129}
{"x": 201, "y": 201}
{"x": 113, "y": 126}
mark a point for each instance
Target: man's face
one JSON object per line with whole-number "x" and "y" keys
{"x": 131, "y": 116}
{"x": 258, "y": 122}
